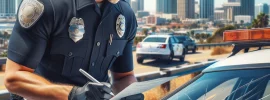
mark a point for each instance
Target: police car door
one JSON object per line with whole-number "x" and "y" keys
{"x": 175, "y": 46}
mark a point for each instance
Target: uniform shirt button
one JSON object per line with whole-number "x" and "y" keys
{"x": 98, "y": 44}
{"x": 70, "y": 54}
{"x": 93, "y": 64}
{"x": 118, "y": 53}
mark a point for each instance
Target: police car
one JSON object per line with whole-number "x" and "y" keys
{"x": 162, "y": 46}
{"x": 239, "y": 77}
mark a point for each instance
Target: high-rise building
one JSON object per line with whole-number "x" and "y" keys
{"x": 140, "y": 4}
{"x": 166, "y": 6}
{"x": 233, "y": 0}
{"x": 8, "y": 8}
{"x": 18, "y": 2}
{"x": 219, "y": 15}
{"x": 2, "y": 8}
{"x": 207, "y": 9}
{"x": 185, "y": 9}
{"x": 247, "y": 7}
{"x": 231, "y": 9}
{"x": 261, "y": 8}
{"x": 197, "y": 9}
{"x": 134, "y": 6}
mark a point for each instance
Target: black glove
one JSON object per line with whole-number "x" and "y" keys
{"x": 91, "y": 91}
{"x": 134, "y": 97}
{"x": 15, "y": 97}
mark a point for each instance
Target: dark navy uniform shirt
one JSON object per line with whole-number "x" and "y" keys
{"x": 47, "y": 47}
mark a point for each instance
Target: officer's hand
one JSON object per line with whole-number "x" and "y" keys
{"x": 91, "y": 91}
{"x": 134, "y": 97}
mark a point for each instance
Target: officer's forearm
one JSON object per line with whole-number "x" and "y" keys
{"x": 34, "y": 87}
{"x": 121, "y": 83}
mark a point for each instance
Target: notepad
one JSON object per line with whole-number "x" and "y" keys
{"x": 140, "y": 87}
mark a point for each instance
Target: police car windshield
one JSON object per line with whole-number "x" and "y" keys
{"x": 229, "y": 85}
{"x": 181, "y": 38}
{"x": 155, "y": 39}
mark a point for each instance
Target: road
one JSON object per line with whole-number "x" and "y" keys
{"x": 155, "y": 65}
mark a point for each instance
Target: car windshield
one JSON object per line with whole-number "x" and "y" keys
{"x": 228, "y": 85}
{"x": 181, "y": 38}
{"x": 155, "y": 39}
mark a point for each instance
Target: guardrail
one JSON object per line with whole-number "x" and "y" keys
{"x": 205, "y": 45}
{"x": 164, "y": 72}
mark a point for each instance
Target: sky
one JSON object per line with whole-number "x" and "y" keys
{"x": 150, "y": 5}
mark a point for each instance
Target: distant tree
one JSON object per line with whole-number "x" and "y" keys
{"x": 263, "y": 20}
{"x": 197, "y": 36}
{"x": 255, "y": 23}
{"x": 242, "y": 22}
{"x": 168, "y": 29}
{"x": 174, "y": 27}
{"x": 218, "y": 34}
{"x": 192, "y": 33}
{"x": 145, "y": 32}
{"x": 154, "y": 29}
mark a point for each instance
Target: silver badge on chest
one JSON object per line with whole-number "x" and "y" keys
{"x": 121, "y": 25}
{"x": 76, "y": 29}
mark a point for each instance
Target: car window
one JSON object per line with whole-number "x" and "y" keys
{"x": 228, "y": 85}
{"x": 181, "y": 38}
{"x": 176, "y": 40}
{"x": 155, "y": 39}
{"x": 172, "y": 40}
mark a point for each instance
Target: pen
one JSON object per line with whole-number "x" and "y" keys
{"x": 91, "y": 78}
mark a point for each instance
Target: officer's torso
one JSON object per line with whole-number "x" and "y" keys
{"x": 96, "y": 49}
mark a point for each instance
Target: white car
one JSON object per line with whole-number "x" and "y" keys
{"x": 164, "y": 47}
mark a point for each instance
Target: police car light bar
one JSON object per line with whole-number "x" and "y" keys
{"x": 247, "y": 35}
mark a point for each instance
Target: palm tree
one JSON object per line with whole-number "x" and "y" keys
{"x": 255, "y": 23}
{"x": 261, "y": 21}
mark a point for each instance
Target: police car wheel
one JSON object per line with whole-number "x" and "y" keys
{"x": 140, "y": 60}
{"x": 182, "y": 58}
{"x": 194, "y": 50}
{"x": 170, "y": 59}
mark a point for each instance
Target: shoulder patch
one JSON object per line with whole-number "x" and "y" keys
{"x": 29, "y": 12}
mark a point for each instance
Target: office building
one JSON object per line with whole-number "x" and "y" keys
{"x": 18, "y": 2}
{"x": 154, "y": 20}
{"x": 186, "y": 9}
{"x": 141, "y": 14}
{"x": 166, "y": 6}
{"x": 219, "y": 15}
{"x": 8, "y": 8}
{"x": 233, "y": 0}
{"x": 207, "y": 9}
{"x": 261, "y": 8}
{"x": 231, "y": 9}
{"x": 244, "y": 18}
{"x": 247, "y": 7}
{"x": 140, "y": 4}
{"x": 134, "y": 6}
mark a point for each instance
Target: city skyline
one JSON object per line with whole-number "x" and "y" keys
{"x": 150, "y": 5}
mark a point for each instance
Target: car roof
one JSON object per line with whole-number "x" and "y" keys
{"x": 163, "y": 35}
{"x": 251, "y": 60}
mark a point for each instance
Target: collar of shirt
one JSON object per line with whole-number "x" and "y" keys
{"x": 83, "y": 3}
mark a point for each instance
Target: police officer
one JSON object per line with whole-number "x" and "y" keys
{"x": 53, "y": 39}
